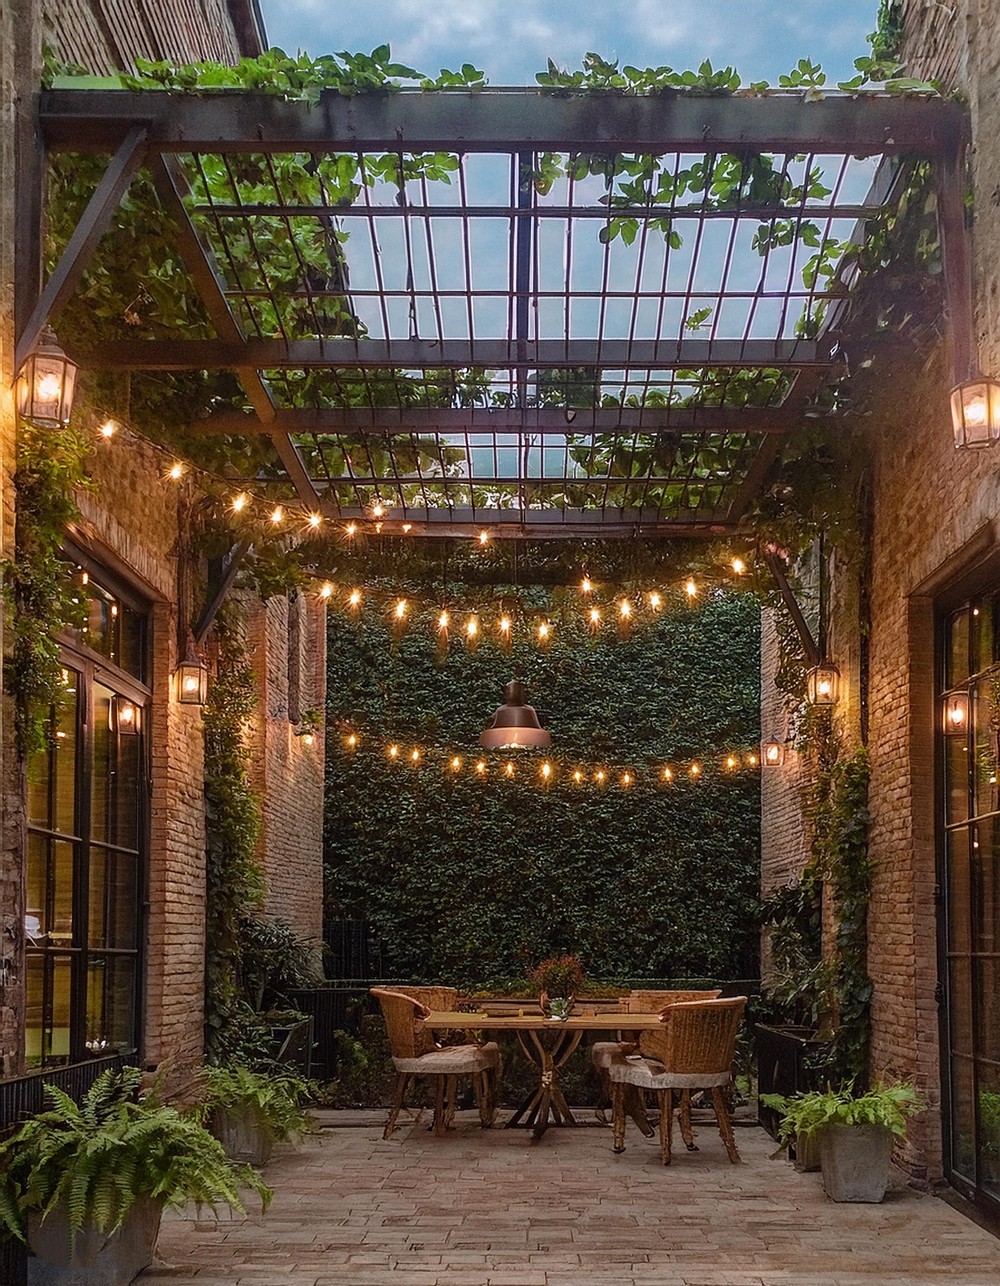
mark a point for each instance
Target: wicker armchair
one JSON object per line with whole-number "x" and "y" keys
{"x": 693, "y": 1052}
{"x": 415, "y": 1053}
{"x": 602, "y": 1052}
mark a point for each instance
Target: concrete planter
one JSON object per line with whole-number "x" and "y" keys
{"x": 807, "y": 1151}
{"x": 855, "y": 1161}
{"x": 97, "y": 1258}
{"x": 242, "y": 1135}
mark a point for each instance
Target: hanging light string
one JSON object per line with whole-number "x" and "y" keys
{"x": 546, "y": 770}
{"x": 268, "y": 510}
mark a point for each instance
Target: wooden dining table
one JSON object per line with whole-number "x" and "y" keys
{"x": 548, "y": 1043}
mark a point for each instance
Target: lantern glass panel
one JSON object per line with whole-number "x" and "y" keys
{"x": 192, "y": 683}
{"x": 821, "y": 684}
{"x": 975, "y": 413}
{"x": 772, "y": 754}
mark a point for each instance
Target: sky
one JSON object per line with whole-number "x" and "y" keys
{"x": 512, "y": 39}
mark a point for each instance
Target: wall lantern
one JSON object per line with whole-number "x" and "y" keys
{"x": 515, "y": 722}
{"x": 45, "y": 383}
{"x": 192, "y": 682}
{"x": 822, "y": 682}
{"x": 125, "y": 715}
{"x": 308, "y": 735}
{"x": 956, "y": 713}
{"x": 772, "y": 754}
{"x": 975, "y": 412}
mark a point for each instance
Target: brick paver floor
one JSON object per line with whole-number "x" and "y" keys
{"x": 496, "y": 1209}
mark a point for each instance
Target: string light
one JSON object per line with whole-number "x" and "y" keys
{"x": 626, "y": 779}
{"x": 352, "y": 740}
{"x": 668, "y": 774}
{"x": 695, "y": 770}
{"x": 586, "y": 585}
{"x": 393, "y": 752}
{"x": 625, "y": 608}
{"x": 752, "y": 761}
{"x": 354, "y": 598}
{"x": 731, "y": 762}
{"x": 407, "y": 528}
{"x": 277, "y": 514}
{"x": 472, "y": 627}
{"x": 176, "y": 471}
{"x": 326, "y": 591}
{"x": 377, "y": 510}
{"x": 691, "y": 589}
{"x": 481, "y": 767}
{"x": 456, "y": 763}
{"x": 484, "y": 537}
{"x": 415, "y": 756}
{"x": 655, "y": 601}
{"x": 738, "y": 566}
{"x": 578, "y": 775}
{"x": 400, "y": 609}
{"x": 505, "y": 626}
{"x": 240, "y": 502}
{"x": 595, "y": 616}
{"x": 599, "y": 775}
{"x": 546, "y": 771}
{"x": 443, "y": 620}
{"x": 109, "y": 429}
{"x": 509, "y": 769}
{"x": 351, "y": 530}
{"x": 544, "y": 630}
{"x": 314, "y": 520}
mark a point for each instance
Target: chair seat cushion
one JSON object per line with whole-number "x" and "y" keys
{"x": 454, "y": 1060}
{"x": 648, "y": 1074}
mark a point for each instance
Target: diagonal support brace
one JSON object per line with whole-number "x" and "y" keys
{"x": 777, "y": 570}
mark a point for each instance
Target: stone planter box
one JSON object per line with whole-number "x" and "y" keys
{"x": 855, "y": 1161}
{"x": 97, "y": 1259}
{"x": 242, "y": 1135}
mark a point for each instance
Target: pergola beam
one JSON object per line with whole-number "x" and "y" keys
{"x": 504, "y": 121}
{"x": 542, "y": 524}
{"x": 455, "y": 354}
{"x": 390, "y": 421}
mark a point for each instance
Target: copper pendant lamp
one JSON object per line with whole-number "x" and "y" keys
{"x": 515, "y": 723}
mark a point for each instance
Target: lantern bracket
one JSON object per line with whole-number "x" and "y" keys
{"x": 227, "y": 570}
{"x": 809, "y": 645}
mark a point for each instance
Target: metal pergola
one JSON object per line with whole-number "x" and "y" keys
{"x": 562, "y": 338}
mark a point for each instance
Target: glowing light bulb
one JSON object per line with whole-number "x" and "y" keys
{"x": 730, "y": 761}
{"x": 691, "y": 589}
{"x": 956, "y": 715}
{"x": 377, "y": 510}
{"x": 599, "y": 775}
{"x": 585, "y": 585}
{"x": 626, "y": 779}
{"x": 738, "y": 566}
{"x": 668, "y": 774}
{"x": 308, "y": 738}
{"x": 578, "y": 775}
{"x": 456, "y": 763}
{"x": 314, "y": 520}
{"x": 393, "y": 752}
{"x": 109, "y": 429}
{"x": 595, "y": 616}
{"x": 974, "y": 409}
{"x": 472, "y": 627}
{"x": 655, "y": 601}
{"x": 484, "y": 537}
{"x": 546, "y": 771}
{"x": 277, "y": 514}
{"x": 480, "y": 767}
{"x": 326, "y": 591}
{"x": 415, "y": 756}
{"x": 504, "y": 624}
{"x": 752, "y": 760}
{"x": 176, "y": 471}
{"x": 407, "y": 528}
{"x": 354, "y": 598}
{"x": 240, "y": 502}
{"x": 400, "y": 609}
{"x": 543, "y": 630}
{"x": 48, "y": 388}
{"x": 695, "y": 770}
{"x": 352, "y": 740}
{"x": 351, "y": 529}
{"x": 509, "y": 769}
{"x": 625, "y": 608}
{"x": 443, "y": 620}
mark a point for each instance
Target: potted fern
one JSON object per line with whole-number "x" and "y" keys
{"x": 251, "y": 1111}
{"x": 85, "y": 1184}
{"x": 855, "y": 1134}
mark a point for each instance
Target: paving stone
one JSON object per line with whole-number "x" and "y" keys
{"x": 487, "y": 1209}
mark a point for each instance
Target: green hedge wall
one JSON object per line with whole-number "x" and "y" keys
{"x": 471, "y": 880}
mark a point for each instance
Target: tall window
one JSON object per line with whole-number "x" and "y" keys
{"x": 86, "y": 840}
{"x": 969, "y": 717}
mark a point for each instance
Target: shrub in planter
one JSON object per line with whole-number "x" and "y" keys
{"x": 72, "y": 1176}
{"x": 251, "y": 1111}
{"x": 855, "y": 1134}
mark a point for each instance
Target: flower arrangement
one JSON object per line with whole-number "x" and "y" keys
{"x": 559, "y": 976}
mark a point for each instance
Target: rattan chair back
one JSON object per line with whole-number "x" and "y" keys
{"x": 698, "y": 1036}
{"x": 652, "y": 1044}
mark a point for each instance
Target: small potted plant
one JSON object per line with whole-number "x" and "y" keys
{"x": 85, "y": 1184}
{"x": 248, "y": 1111}
{"x": 855, "y": 1134}
{"x": 558, "y": 980}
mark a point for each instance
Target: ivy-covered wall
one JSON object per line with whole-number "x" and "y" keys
{"x": 471, "y": 878}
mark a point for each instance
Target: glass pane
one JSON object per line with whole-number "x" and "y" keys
{"x": 34, "y": 1018}
{"x": 989, "y": 1127}
{"x": 111, "y": 1004}
{"x": 39, "y": 776}
{"x": 958, "y": 891}
{"x": 988, "y": 1007}
{"x": 956, "y": 770}
{"x": 52, "y": 770}
{"x": 130, "y": 632}
{"x": 960, "y": 1005}
{"x": 982, "y": 635}
{"x": 963, "y": 1128}
{"x": 125, "y": 796}
{"x": 957, "y": 648}
{"x": 102, "y": 780}
{"x": 113, "y": 916}
{"x": 47, "y": 1009}
{"x": 986, "y": 722}
{"x": 985, "y": 891}
{"x": 49, "y": 890}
